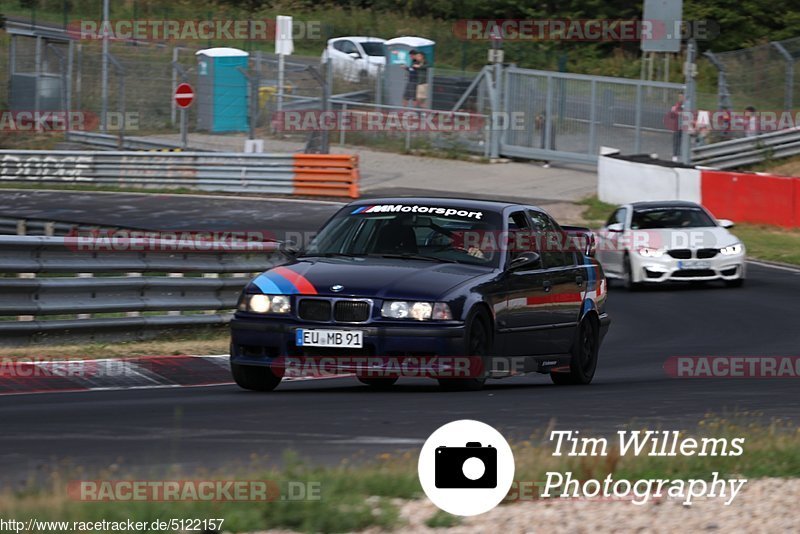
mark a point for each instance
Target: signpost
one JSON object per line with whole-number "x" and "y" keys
{"x": 184, "y": 97}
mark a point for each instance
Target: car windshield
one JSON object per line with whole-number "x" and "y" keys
{"x": 373, "y": 48}
{"x": 688, "y": 217}
{"x": 424, "y": 232}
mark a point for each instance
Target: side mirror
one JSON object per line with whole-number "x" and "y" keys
{"x": 616, "y": 227}
{"x": 288, "y": 249}
{"x": 526, "y": 259}
{"x": 726, "y": 223}
{"x": 354, "y": 55}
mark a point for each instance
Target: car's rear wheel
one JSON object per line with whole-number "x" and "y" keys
{"x": 255, "y": 377}
{"x": 378, "y": 383}
{"x": 477, "y": 344}
{"x": 627, "y": 275}
{"x": 583, "y": 362}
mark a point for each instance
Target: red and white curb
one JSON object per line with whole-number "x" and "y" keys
{"x": 30, "y": 375}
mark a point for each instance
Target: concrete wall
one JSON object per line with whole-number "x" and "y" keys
{"x": 621, "y": 181}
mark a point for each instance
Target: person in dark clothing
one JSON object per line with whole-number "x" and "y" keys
{"x": 417, "y": 85}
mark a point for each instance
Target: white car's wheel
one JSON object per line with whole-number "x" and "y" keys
{"x": 627, "y": 275}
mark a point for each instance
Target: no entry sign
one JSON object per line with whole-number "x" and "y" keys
{"x": 184, "y": 95}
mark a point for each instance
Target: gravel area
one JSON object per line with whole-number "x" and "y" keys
{"x": 764, "y": 506}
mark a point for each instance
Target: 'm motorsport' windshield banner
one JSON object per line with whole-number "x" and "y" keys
{"x": 431, "y": 210}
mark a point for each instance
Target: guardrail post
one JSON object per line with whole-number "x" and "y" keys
{"x": 84, "y": 315}
{"x": 133, "y": 313}
{"x": 174, "y": 275}
{"x": 211, "y": 275}
{"x": 341, "y": 125}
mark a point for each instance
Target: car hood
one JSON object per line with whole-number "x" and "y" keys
{"x": 367, "y": 277}
{"x": 691, "y": 238}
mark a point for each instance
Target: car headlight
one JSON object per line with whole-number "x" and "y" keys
{"x": 651, "y": 252}
{"x": 736, "y": 248}
{"x": 420, "y": 311}
{"x": 266, "y": 304}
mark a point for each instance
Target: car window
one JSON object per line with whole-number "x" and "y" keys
{"x": 682, "y": 217}
{"x": 439, "y": 233}
{"x": 373, "y": 48}
{"x": 519, "y": 229}
{"x": 550, "y": 241}
{"x": 348, "y": 47}
{"x": 618, "y": 216}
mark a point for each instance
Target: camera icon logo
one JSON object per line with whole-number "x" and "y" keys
{"x": 466, "y": 467}
{"x": 472, "y": 466}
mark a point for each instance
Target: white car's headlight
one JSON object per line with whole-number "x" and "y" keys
{"x": 736, "y": 248}
{"x": 420, "y": 311}
{"x": 266, "y": 304}
{"x": 651, "y": 252}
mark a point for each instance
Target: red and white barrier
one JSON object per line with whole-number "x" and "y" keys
{"x": 740, "y": 196}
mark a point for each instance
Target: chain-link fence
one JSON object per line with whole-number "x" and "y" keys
{"x": 568, "y": 116}
{"x": 498, "y": 111}
{"x": 761, "y": 76}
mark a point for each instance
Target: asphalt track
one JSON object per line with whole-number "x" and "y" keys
{"x": 147, "y": 431}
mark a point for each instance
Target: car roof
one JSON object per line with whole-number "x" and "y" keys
{"x": 664, "y": 204}
{"x": 469, "y": 203}
{"x": 360, "y": 39}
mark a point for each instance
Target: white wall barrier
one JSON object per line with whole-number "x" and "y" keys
{"x": 621, "y": 180}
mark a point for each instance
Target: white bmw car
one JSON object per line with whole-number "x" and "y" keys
{"x": 669, "y": 241}
{"x": 356, "y": 59}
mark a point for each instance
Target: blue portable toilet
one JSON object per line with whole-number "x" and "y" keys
{"x": 222, "y": 90}
{"x": 397, "y": 58}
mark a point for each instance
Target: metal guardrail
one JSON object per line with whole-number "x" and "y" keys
{"x": 111, "y": 142}
{"x": 748, "y": 150}
{"x": 305, "y": 174}
{"x": 78, "y": 287}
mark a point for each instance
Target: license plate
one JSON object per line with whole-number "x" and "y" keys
{"x": 350, "y": 339}
{"x": 694, "y": 265}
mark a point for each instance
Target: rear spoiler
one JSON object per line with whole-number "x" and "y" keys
{"x": 581, "y": 239}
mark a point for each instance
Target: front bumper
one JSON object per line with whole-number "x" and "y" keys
{"x": 668, "y": 269}
{"x": 262, "y": 341}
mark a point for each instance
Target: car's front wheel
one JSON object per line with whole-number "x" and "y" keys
{"x": 739, "y": 282}
{"x": 627, "y": 275}
{"x": 255, "y": 377}
{"x": 583, "y": 363}
{"x": 477, "y": 343}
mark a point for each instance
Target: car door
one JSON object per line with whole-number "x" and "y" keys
{"x": 524, "y": 318}
{"x": 610, "y": 249}
{"x": 351, "y": 63}
{"x": 339, "y": 57}
{"x": 565, "y": 284}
